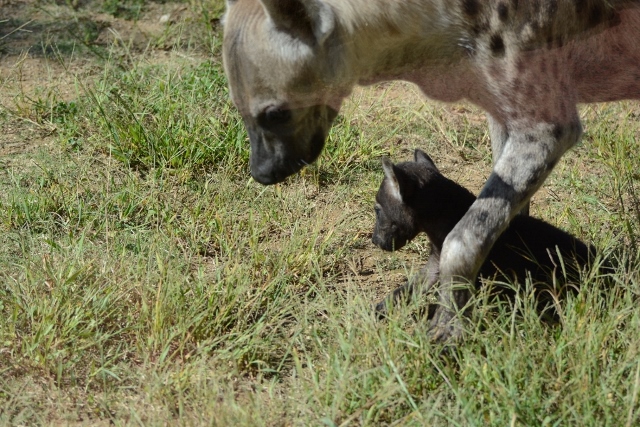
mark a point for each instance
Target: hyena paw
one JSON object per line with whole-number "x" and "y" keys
{"x": 446, "y": 328}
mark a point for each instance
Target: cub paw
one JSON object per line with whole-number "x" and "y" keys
{"x": 381, "y": 310}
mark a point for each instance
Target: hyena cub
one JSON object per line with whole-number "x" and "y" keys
{"x": 415, "y": 197}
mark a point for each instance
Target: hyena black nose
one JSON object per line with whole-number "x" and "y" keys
{"x": 265, "y": 174}
{"x": 267, "y": 168}
{"x": 269, "y": 162}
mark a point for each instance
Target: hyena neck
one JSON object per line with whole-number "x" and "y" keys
{"x": 439, "y": 205}
{"x": 398, "y": 40}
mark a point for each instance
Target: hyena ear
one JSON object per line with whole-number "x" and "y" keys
{"x": 422, "y": 157}
{"x": 312, "y": 21}
{"x": 223, "y": 18}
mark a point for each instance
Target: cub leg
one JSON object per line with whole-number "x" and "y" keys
{"x": 420, "y": 284}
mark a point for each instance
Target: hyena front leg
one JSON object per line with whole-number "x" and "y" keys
{"x": 499, "y": 135}
{"x": 527, "y": 158}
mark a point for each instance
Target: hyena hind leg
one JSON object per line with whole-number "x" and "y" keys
{"x": 415, "y": 286}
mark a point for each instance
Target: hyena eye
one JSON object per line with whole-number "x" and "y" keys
{"x": 274, "y": 116}
{"x": 377, "y": 211}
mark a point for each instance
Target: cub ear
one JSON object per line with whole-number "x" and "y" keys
{"x": 312, "y": 21}
{"x": 393, "y": 186}
{"x": 422, "y": 157}
{"x": 399, "y": 185}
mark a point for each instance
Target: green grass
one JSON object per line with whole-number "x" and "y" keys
{"x": 145, "y": 279}
{"x": 143, "y": 111}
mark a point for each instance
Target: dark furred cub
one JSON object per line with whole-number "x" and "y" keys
{"x": 415, "y": 197}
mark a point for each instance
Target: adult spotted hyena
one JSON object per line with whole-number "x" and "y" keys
{"x": 527, "y": 63}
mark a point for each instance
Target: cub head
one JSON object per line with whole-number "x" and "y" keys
{"x": 400, "y": 199}
{"x": 287, "y": 76}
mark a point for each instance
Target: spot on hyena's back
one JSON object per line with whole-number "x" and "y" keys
{"x": 593, "y": 13}
{"x": 471, "y": 7}
{"x": 497, "y": 45}
{"x": 535, "y": 24}
{"x": 503, "y": 12}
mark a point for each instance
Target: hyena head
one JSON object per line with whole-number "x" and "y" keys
{"x": 401, "y": 201}
{"x": 283, "y": 62}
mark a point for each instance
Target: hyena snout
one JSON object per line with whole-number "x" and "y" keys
{"x": 280, "y": 149}
{"x": 274, "y": 158}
